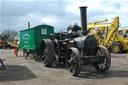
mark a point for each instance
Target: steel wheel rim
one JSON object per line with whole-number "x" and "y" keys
{"x": 44, "y": 57}
{"x": 71, "y": 64}
{"x": 116, "y": 48}
{"x": 103, "y": 64}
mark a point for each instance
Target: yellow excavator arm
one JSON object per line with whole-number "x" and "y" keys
{"x": 113, "y": 29}
{"x": 102, "y": 27}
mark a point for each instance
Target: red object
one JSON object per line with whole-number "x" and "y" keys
{"x": 15, "y": 51}
{"x": 127, "y": 56}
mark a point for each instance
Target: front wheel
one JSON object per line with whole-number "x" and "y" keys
{"x": 106, "y": 63}
{"x": 73, "y": 62}
{"x": 116, "y": 47}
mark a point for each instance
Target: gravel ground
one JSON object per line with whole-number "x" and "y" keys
{"x": 20, "y": 71}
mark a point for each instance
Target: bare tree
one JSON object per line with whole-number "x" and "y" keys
{"x": 9, "y": 35}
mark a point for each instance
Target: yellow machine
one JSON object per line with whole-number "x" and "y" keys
{"x": 107, "y": 34}
{"x": 13, "y": 43}
{"x": 122, "y": 36}
{"x": 5, "y": 44}
{"x": 1, "y": 44}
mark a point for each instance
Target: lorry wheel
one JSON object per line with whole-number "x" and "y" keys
{"x": 73, "y": 62}
{"x": 26, "y": 54}
{"x": 116, "y": 47}
{"x": 48, "y": 54}
{"x": 105, "y": 65}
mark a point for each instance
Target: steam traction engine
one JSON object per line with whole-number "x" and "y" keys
{"x": 76, "y": 48}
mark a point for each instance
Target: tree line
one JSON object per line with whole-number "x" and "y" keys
{"x": 9, "y": 35}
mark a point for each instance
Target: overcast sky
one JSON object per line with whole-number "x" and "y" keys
{"x": 14, "y": 14}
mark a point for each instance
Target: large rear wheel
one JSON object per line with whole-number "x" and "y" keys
{"x": 73, "y": 62}
{"x": 48, "y": 53}
{"x": 106, "y": 63}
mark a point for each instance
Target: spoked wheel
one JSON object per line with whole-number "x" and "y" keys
{"x": 48, "y": 54}
{"x": 45, "y": 57}
{"x": 24, "y": 51}
{"x": 73, "y": 62}
{"x": 26, "y": 54}
{"x": 106, "y": 63}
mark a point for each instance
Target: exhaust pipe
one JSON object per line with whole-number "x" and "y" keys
{"x": 83, "y": 15}
{"x": 28, "y": 25}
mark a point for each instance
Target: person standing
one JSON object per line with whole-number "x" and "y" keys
{"x": 16, "y": 48}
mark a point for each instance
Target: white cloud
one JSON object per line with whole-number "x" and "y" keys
{"x": 33, "y": 0}
{"x": 59, "y": 13}
{"x": 15, "y": 14}
{"x": 101, "y": 9}
{"x": 75, "y": 4}
{"x": 48, "y": 20}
